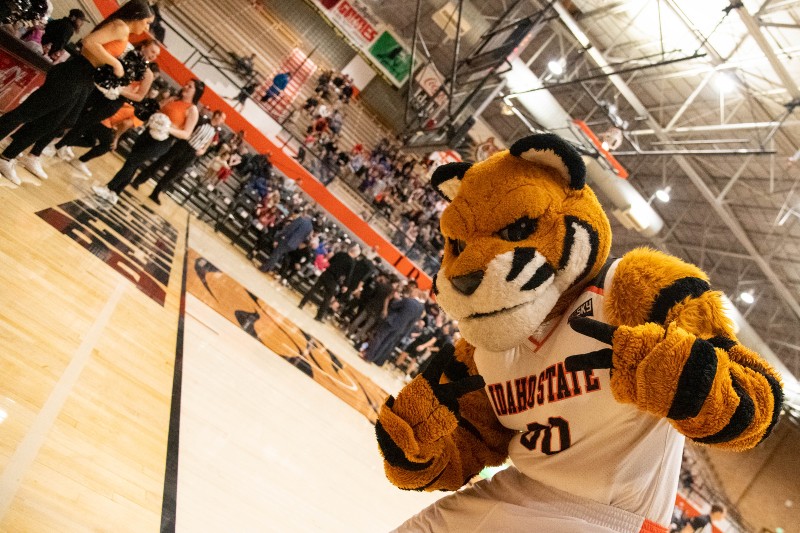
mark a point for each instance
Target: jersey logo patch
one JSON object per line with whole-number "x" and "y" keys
{"x": 583, "y": 310}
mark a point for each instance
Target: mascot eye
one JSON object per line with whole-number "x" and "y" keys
{"x": 519, "y": 230}
{"x": 456, "y": 246}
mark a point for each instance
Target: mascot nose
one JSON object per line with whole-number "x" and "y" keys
{"x": 468, "y": 283}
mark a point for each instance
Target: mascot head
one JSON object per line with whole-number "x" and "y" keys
{"x": 523, "y": 233}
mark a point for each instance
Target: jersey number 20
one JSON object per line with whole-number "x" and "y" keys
{"x": 535, "y": 430}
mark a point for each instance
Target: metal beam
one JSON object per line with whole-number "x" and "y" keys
{"x": 736, "y": 228}
{"x": 721, "y": 127}
{"x": 741, "y": 151}
{"x": 679, "y": 113}
{"x": 753, "y": 28}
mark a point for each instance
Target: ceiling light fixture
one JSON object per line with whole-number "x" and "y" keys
{"x": 557, "y": 67}
{"x": 725, "y": 83}
{"x": 747, "y": 297}
{"x": 663, "y": 194}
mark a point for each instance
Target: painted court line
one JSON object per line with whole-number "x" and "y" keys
{"x": 28, "y": 449}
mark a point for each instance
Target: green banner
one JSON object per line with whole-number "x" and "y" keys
{"x": 392, "y": 56}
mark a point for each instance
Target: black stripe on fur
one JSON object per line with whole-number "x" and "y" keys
{"x": 695, "y": 381}
{"x": 522, "y": 256}
{"x": 673, "y": 294}
{"x": 569, "y": 239}
{"x": 542, "y": 274}
{"x": 739, "y": 422}
{"x": 393, "y": 454}
{"x": 777, "y": 393}
{"x": 722, "y": 342}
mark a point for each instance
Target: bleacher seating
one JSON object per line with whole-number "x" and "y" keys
{"x": 238, "y": 26}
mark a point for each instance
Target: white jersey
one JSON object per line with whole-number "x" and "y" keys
{"x": 574, "y": 436}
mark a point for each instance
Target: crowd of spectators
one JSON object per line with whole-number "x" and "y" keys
{"x": 387, "y": 317}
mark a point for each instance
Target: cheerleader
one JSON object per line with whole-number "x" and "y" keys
{"x": 68, "y": 85}
{"x": 100, "y": 107}
{"x": 176, "y": 120}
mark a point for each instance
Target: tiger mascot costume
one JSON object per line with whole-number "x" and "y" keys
{"x": 587, "y": 372}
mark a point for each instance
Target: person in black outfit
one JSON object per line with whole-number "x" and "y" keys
{"x": 699, "y": 523}
{"x": 338, "y": 273}
{"x": 403, "y": 315}
{"x": 373, "y": 307}
{"x": 59, "y": 32}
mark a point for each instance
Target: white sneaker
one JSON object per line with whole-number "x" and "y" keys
{"x": 105, "y": 194}
{"x": 49, "y": 150}
{"x": 81, "y": 166}
{"x": 65, "y": 153}
{"x": 33, "y": 164}
{"x": 8, "y": 170}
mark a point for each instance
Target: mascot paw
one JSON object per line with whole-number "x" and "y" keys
{"x": 431, "y": 407}
{"x": 659, "y": 370}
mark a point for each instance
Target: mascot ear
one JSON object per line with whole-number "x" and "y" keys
{"x": 553, "y": 151}
{"x": 446, "y": 179}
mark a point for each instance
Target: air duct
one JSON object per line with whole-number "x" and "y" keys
{"x": 629, "y": 207}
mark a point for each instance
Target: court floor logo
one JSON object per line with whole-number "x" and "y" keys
{"x": 129, "y": 237}
{"x": 281, "y": 335}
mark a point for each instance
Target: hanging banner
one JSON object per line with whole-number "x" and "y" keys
{"x": 374, "y": 39}
{"x": 392, "y": 56}
{"x": 354, "y": 19}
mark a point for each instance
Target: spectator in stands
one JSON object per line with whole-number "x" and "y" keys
{"x": 58, "y": 32}
{"x": 244, "y": 64}
{"x": 347, "y": 90}
{"x": 702, "y": 523}
{"x": 279, "y": 83}
{"x": 401, "y": 317}
{"x": 298, "y": 259}
{"x": 335, "y": 276}
{"x": 335, "y": 122}
{"x": 322, "y": 83}
{"x": 33, "y": 37}
{"x": 245, "y": 92}
{"x": 310, "y": 105}
{"x": 288, "y": 239}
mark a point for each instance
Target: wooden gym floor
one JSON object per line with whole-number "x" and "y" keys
{"x": 152, "y": 380}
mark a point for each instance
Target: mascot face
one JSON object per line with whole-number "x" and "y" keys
{"x": 521, "y": 230}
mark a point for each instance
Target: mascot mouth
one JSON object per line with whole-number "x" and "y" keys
{"x": 499, "y": 311}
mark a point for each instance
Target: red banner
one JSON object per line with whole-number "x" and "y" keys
{"x": 18, "y": 79}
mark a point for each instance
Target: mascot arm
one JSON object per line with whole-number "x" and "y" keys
{"x": 675, "y": 354}
{"x": 441, "y": 430}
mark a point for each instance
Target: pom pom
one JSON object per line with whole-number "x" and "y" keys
{"x": 145, "y": 109}
{"x": 134, "y": 65}
{"x": 159, "y": 125}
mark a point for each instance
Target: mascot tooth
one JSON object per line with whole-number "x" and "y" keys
{"x": 587, "y": 372}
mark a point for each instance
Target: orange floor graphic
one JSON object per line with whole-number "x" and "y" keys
{"x": 238, "y": 305}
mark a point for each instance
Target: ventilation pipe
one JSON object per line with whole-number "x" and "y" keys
{"x": 629, "y": 207}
